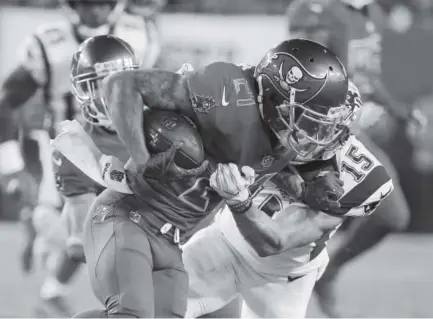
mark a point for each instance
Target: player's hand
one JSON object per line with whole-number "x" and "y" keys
{"x": 231, "y": 183}
{"x": 323, "y": 192}
{"x": 20, "y": 186}
{"x": 161, "y": 166}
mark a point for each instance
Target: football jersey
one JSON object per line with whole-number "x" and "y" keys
{"x": 70, "y": 180}
{"x": 228, "y": 119}
{"x": 47, "y": 55}
{"x": 224, "y": 98}
{"x": 366, "y": 184}
{"x": 356, "y": 37}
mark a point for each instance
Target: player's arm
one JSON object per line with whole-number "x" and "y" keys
{"x": 18, "y": 87}
{"x": 126, "y": 92}
{"x": 291, "y": 228}
{"x": 78, "y": 191}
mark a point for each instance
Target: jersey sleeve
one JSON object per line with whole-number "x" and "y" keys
{"x": 70, "y": 181}
{"x": 366, "y": 181}
{"x": 31, "y": 57}
{"x": 227, "y": 113}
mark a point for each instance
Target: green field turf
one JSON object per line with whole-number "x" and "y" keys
{"x": 394, "y": 280}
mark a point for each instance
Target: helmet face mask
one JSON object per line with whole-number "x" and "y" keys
{"x": 302, "y": 96}
{"x": 306, "y": 131}
{"x": 87, "y": 74}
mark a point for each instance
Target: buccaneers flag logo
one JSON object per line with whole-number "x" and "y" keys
{"x": 286, "y": 75}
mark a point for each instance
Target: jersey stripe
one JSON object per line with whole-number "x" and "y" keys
{"x": 367, "y": 187}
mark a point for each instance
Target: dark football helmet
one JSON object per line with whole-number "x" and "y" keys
{"x": 302, "y": 96}
{"x": 96, "y": 58}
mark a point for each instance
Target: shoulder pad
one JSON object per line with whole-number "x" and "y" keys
{"x": 53, "y": 34}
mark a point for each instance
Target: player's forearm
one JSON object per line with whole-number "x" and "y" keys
{"x": 260, "y": 231}
{"x": 8, "y": 125}
{"x": 291, "y": 228}
{"x": 16, "y": 90}
{"x": 125, "y": 105}
{"x": 302, "y": 225}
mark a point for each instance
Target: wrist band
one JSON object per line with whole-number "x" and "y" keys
{"x": 241, "y": 207}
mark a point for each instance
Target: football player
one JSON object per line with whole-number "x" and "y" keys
{"x": 290, "y": 108}
{"x": 352, "y": 29}
{"x": 41, "y": 82}
{"x": 269, "y": 247}
{"x": 168, "y": 202}
{"x": 146, "y": 283}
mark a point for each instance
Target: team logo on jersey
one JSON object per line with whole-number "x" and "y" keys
{"x": 102, "y": 211}
{"x": 169, "y": 122}
{"x": 203, "y": 104}
{"x": 134, "y": 216}
{"x": 286, "y": 72}
{"x": 267, "y": 161}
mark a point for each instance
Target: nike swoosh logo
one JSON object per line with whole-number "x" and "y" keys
{"x": 57, "y": 160}
{"x": 224, "y": 101}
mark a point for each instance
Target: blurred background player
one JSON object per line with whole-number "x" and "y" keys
{"x": 41, "y": 83}
{"x": 353, "y": 30}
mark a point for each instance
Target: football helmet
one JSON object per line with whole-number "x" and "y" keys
{"x": 96, "y": 58}
{"x": 303, "y": 88}
{"x": 92, "y": 17}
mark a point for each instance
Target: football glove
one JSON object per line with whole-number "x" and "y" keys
{"x": 323, "y": 192}
{"x": 231, "y": 183}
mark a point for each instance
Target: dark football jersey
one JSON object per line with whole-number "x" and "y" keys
{"x": 225, "y": 102}
{"x": 224, "y": 98}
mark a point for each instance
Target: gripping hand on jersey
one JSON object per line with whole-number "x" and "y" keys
{"x": 323, "y": 192}
{"x": 231, "y": 183}
{"x": 162, "y": 166}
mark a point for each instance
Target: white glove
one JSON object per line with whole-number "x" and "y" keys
{"x": 231, "y": 184}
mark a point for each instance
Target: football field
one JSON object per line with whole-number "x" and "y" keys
{"x": 394, "y": 280}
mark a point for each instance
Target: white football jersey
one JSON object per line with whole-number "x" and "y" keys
{"x": 366, "y": 184}
{"x": 47, "y": 55}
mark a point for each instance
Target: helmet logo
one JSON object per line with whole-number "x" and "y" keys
{"x": 293, "y": 76}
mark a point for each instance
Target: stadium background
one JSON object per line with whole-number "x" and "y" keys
{"x": 393, "y": 280}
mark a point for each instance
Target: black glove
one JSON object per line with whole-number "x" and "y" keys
{"x": 323, "y": 192}
{"x": 161, "y": 166}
